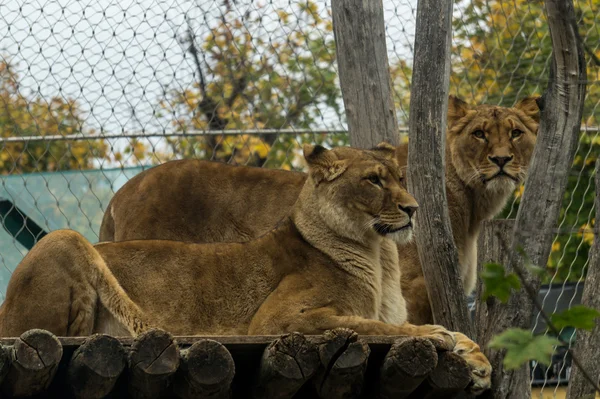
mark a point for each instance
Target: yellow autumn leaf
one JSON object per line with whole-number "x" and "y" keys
{"x": 586, "y": 233}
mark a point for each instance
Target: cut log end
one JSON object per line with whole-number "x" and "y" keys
{"x": 287, "y": 363}
{"x": 206, "y": 371}
{"x": 409, "y": 361}
{"x": 34, "y": 358}
{"x": 95, "y": 367}
{"x": 343, "y": 358}
{"x": 153, "y": 361}
{"x": 450, "y": 376}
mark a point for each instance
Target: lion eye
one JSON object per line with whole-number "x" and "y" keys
{"x": 479, "y": 134}
{"x": 375, "y": 180}
{"x": 516, "y": 133}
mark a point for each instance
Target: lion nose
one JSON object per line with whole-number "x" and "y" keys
{"x": 501, "y": 161}
{"x": 410, "y": 210}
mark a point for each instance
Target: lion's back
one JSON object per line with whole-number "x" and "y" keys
{"x": 200, "y": 201}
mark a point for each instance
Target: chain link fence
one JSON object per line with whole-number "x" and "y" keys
{"x": 91, "y": 93}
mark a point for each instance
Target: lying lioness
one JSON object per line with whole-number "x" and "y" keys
{"x": 488, "y": 151}
{"x": 328, "y": 264}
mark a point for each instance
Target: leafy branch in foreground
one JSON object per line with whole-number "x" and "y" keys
{"x": 497, "y": 283}
{"x": 520, "y": 344}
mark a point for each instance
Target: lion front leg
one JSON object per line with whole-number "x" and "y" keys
{"x": 319, "y": 320}
{"x": 481, "y": 369}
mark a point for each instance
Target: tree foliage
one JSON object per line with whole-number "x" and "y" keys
{"x": 248, "y": 79}
{"x": 22, "y": 115}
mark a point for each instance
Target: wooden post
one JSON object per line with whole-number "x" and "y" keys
{"x": 95, "y": 367}
{"x": 343, "y": 358}
{"x": 206, "y": 371}
{"x": 587, "y": 344}
{"x": 409, "y": 361}
{"x": 359, "y": 31}
{"x": 35, "y": 356}
{"x": 287, "y": 363}
{"x": 426, "y": 165}
{"x": 153, "y": 361}
{"x": 493, "y": 317}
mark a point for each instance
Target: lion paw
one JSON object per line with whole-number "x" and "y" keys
{"x": 438, "y": 335}
{"x": 481, "y": 369}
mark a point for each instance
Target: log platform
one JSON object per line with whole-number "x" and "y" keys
{"x": 338, "y": 363}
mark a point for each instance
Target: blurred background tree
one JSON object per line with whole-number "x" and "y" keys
{"x": 22, "y": 115}
{"x": 248, "y": 79}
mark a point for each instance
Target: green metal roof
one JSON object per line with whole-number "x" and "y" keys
{"x": 33, "y": 204}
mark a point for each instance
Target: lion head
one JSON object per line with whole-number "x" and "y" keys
{"x": 360, "y": 192}
{"x": 491, "y": 146}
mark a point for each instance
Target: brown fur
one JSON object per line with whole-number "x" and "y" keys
{"x": 213, "y": 202}
{"x": 319, "y": 269}
{"x": 204, "y": 201}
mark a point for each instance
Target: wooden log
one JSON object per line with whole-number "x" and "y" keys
{"x": 206, "y": 371}
{"x": 287, "y": 363}
{"x": 153, "y": 361}
{"x": 4, "y": 362}
{"x": 587, "y": 345}
{"x": 450, "y": 377}
{"x": 95, "y": 367}
{"x": 409, "y": 361}
{"x": 426, "y": 164}
{"x": 34, "y": 359}
{"x": 343, "y": 357}
{"x": 359, "y": 31}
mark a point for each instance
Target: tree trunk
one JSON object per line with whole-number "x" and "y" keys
{"x": 562, "y": 109}
{"x": 359, "y": 31}
{"x": 426, "y": 165}
{"x": 492, "y": 316}
{"x": 587, "y": 346}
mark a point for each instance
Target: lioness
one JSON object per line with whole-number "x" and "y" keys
{"x": 488, "y": 150}
{"x": 326, "y": 265}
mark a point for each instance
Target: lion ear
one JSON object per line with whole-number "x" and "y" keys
{"x": 322, "y": 163}
{"x": 386, "y": 149}
{"x": 457, "y": 109}
{"x": 530, "y": 107}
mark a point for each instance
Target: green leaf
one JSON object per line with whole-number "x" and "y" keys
{"x": 522, "y": 346}
{"x": 578, "y": 316}
{"x": 497, "y": 283}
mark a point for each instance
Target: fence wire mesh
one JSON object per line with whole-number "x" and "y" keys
{"x": 91, "y": 93}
